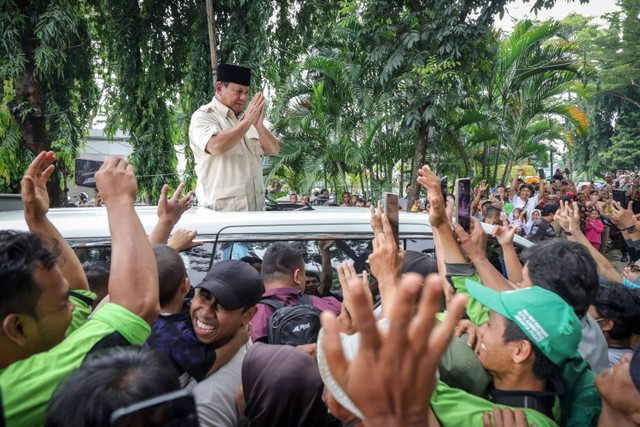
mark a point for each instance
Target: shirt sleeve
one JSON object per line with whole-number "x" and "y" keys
{"x": 457, "y": 274}
{"x": 202, "y": 127}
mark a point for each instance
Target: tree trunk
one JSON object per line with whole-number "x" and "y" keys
{"x": 211, "y": 21}
{"x": 32, "y": 124}
{"x": 418, "y": 161}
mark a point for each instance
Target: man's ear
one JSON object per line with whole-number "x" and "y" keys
{"x": 218, "y": 87}
{"x": 248, "y": 315}
{"x": 298, "y": 274}
{"x": 607, "y": 325}
{"x": 185, "y": 286}
{"x": 14, "y": 328}
{"x": 522, "y": 351}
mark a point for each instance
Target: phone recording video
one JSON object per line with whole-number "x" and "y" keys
{"x": 177, "y": 409}
{"x": 621, "y": 197}
{"x": 463, "y": 203}
{"x": 390, "y": 206}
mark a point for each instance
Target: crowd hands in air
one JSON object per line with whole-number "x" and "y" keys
{"x": 547, "y": 337}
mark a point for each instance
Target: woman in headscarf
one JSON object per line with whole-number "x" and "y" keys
{"x": 281, "y": 386}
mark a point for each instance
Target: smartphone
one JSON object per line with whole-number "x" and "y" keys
{"x": 541, "y": 174}
{"x": 494, "y": 190}
{"x": 390, "y": 206}
{"x": 620, "y": 196}
{"x": 176, "y": 409}
{"x": 444, "y": 184}
{"x": 463, "y": 203}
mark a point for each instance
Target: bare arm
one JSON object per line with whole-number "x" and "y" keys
{"x": 514, "y": 184}
{"x": 438, "y": 217}
{"x": 133, "y": 282}
{"x": 36, "y": 205}
{"x": 505, "y": 237}
{"x": 169, "y": 213}
{"x": 475, "y": 245}
{"x": 569, "y": 218}
{"x": 442, "y": 267}
{"x": 476, "y": 200}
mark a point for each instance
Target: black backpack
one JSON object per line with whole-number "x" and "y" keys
{"x": 293, "y": 324}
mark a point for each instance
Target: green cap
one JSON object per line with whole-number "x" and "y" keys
{"x": 545, "y": 318}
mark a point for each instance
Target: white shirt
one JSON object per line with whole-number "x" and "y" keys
{"x": 231, "y": 181}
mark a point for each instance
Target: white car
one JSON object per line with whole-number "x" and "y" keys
{"x": 237, "y": 234}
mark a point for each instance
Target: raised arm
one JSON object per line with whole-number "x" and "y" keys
{"x": 505, "y": 236}
{"x": 169, "y": 213}
{"x": 514, "y": 184}
{"x": 36, "y": 205}
{"x": 482, "y": 187}
{"x": 625, "y": 220}
{"x": 569, "y": 218}
{"x": 438, "y": 217}
{"x": 475, "y": 246}
{"x": 133, "y": 282}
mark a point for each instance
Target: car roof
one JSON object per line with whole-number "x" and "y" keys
{"x": 91, "y": 223}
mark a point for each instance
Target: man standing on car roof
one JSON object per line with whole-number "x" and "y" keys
{"x": 228, "y": 142}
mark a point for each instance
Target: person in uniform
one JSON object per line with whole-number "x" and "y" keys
{"x": 227, "y": 143}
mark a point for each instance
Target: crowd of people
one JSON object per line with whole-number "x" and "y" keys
{"x": 548, "y": 337}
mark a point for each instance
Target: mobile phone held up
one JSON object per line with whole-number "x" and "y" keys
{"x": 390, "y": 206}
{"x": 463, "y": 203}
{"x": 177, "y": 409}
{"x": 620, "y": 196}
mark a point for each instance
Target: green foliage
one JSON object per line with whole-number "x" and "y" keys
{"x": 623, "y": 152}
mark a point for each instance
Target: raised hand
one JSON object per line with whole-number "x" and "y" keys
{"x": 182, "y": 240}
{"x": 393, "y": 375}
{"x": 255, "y": 110}
{"x": 116, "y": 182}
{"x": 474, "y": 244}
{"x": 429, "y": 180}
{"x": 172, "y": 209}
{"x": 35, "y": 197}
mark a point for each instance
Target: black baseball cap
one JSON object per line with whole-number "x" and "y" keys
{"x": 234, "y": 284}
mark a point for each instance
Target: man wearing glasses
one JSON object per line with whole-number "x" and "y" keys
{"x": 228, "y": 141}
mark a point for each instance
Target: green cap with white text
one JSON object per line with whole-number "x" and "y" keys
{"x": 545, "y": 318}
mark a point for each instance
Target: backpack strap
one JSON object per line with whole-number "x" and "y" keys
{"x": 305, "y": 299}
{"x": 271, "y": 303}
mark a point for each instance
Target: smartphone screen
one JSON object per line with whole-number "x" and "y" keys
{"x": 620, "y": 197}
{"x": 172, "y": 410}
{"x": 390, "y": 205}
{"x": 463, "y": 203}
{"x": 444, "y": 184}
{"x": 494, "y": 190}
{"x": 541, "y": 173}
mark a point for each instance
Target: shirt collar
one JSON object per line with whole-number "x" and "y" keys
{"x": 223, "y": 109}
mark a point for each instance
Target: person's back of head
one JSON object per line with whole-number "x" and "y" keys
{"x": 280, "y": 262}
{"x": 107, "y": 381}
{"x": 619, "y": 305}
{"x": 171, "y": 272}
{"x": 566, "y": 268}
{"x": 98, "y": 277}
{"x": 272, "y": 371}
{"x": 21, "y": 256}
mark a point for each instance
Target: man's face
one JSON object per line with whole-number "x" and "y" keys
{"x": 502, "y": 192}
{"x": 212, "y": 324}
{"x": 54, "y": 310}
{"x": 311, "y": 285}
{"x": 617, "y": 389}
{"x": 234, "y": 96}
{"x": 632, "y": 271}
{"x": 525, "y": 193}
{"x": 293, "y": 199}
{"x": 495, "y": 354}
{"x": 346, "y": 198}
